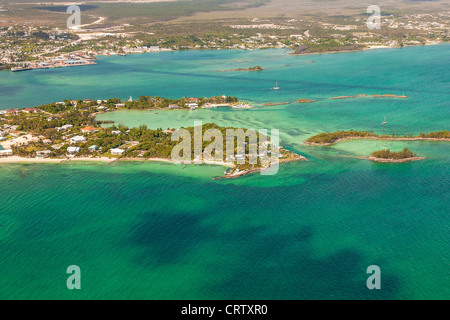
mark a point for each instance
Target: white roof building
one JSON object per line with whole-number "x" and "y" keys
{"x": 117, "y": 151}
{"x": 7, "y": 152}
{"x": 73, "y": 149}
{"x": 77, "y": 139}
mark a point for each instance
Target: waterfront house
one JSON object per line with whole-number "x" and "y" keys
{"x": 173, "y": 106}
{"x": 77, "y": 139}
{"x": 117, "y": 152}
{"x": 92, "y": 148}
{"x": 5, "y": 153}
{"x": 73, "y": 149}
{"x": 120, "y": 105}
{"x": 12, "y": 111}
{"x": 192, "y": 106}
{"x": 73, "y": 102}
{"x": 88, "y": 130}
{"x": 116, "y": 132}
{"x": 30, "y": 110}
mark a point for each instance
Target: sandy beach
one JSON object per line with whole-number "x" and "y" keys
{"x": 17, "y": 159}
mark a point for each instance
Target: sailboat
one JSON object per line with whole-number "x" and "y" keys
{"x": 276, "y": 86}
{"x": 384, "y": 122}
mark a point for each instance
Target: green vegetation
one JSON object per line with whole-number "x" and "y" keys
{"x": 396, "y": 155}
{"x": 329, "y": 138}
{"x": 436, "y": 135}
{"x": 5, "y": 66}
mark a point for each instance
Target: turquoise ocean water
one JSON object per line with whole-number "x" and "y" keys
{"x": 161, "y": 231}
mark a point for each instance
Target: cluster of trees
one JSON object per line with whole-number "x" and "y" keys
{"x": 5, "y": 66}
{"x": 436, "y": 135}
{"x": 159, "y": 144}
{"x": 148, "y": 102}
{"x": 388, "y": 154}
{"x": 41, "y": 125}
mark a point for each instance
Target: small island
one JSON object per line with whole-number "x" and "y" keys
{"x": 387, "y": 155}
{"x": 275, "y": 103}
{"x": 348, "y": 97}
{"x": 305, "y": 101}
{"x": 390, "y": 96}
{"x": 254, "y": 68}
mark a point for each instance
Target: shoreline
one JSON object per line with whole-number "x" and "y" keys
{"x": 17, "y": 159}
{"x": 291, "y": 54}
{"x": 259, "y": 169}
{"x": 23, "y": 160}
{"x": 368, "y": 48}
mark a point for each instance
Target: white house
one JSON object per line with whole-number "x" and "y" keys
{"x": 67, "y": 126}
{"x": 73, "y": 149}
{"x": 77, "y": 139}
{"x": 7, "y": 152}
{"x": 117, "y": 151}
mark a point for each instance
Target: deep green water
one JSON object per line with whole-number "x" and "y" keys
{"x": 161, "y": 231}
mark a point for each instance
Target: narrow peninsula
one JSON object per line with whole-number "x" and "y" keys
{"x": 68, "y": 131}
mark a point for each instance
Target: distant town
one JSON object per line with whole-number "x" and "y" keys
{"x": 36, "y": 47}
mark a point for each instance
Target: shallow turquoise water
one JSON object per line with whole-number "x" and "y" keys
{"x": 160, "y": 231}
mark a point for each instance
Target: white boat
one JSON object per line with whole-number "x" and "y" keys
{"x": 276, "y": 86}
{"x": 384, "y": 122}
